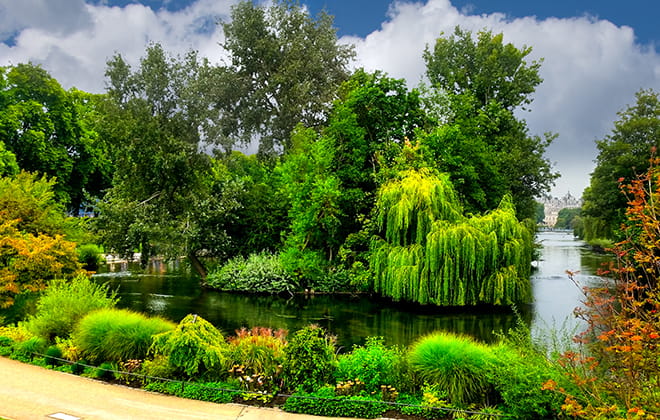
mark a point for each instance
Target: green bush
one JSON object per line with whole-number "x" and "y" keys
{"x": 158, "y": 367}
{"x": 456, "y": 363}
{"x": 217, "y": 392}
{"x": 78, "y": 367}
{"x": 117, "y": 334}
{"x": 260, "y": 273}
{"x": 324, "y": 402}
{"x": 90, "y": 255}
{"x": 194, "y": 348}
{"x": 64, "y": 303}
{"x": 374, "y": 364}
{"x": 518, "y": 379}
{"x": 309, "y": 359}
{"x": 52, "y": 356}
{"x": 105, "y": 371}
{"x": 26, "y": 350}
{"x": 6, "y": 345}
{"x": 427, "y": 405}
{"x": 308, "y": 267}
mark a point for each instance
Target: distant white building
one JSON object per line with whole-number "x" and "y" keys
{"x": 553, "y": 205}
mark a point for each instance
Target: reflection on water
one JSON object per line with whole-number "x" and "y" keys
{"x": 555, "y": 295}
{"x": 352, "y": 318}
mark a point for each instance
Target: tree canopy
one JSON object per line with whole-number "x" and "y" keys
{"x": 51, "y": 131}
{"x": 165, "y": 197}
{"x": 622, "y": 156}
{"x": 483, "y": 145}
{"x": 285, "y": 68}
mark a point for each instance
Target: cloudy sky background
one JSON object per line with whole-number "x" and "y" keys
{"x": 594, "y": 59}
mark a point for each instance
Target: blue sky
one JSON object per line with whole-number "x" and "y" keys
{"x": 596, "y": 54}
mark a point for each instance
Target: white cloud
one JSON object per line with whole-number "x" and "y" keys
{"x": 591, "y": 67}
{"x": 591, "y": 70}
{"x": 77, "y": 56}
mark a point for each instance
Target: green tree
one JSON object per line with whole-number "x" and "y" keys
{"x": 8, "y": 165}
{"x": 427, "y": 251}
{"x": 485, "y": 67}
{"x": 168, "y": 197}
{"x": 261, "y": 216}
{"x": 540, "y": 212}
{"x": 285, "y": 69}
{"x": 622, "y": 156}
{"x": 567, "y": 218}
{"x": 51, "y": 131}
{"x": 486, "y": 149}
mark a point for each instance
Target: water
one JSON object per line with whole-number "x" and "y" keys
{"x": 555, "y": 295}
{"x": 172, "y": 292}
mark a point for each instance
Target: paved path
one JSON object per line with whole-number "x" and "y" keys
{"x": 30, "y": 392}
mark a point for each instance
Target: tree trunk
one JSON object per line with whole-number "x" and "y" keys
{"x": 198, "y": 266}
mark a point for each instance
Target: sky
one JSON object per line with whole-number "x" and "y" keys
{"x": 596, "y": 53}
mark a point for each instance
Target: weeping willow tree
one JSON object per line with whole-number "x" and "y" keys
{"x": 429, "y": 252}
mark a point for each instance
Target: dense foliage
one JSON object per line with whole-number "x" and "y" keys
{"x": 64, "y": 303}
{"x": 33, "y": 248}
{"x": 117, "y": 334}
{"x": 193, "y": 348}
{"x": 50, "y": 131}
{"x": 428, "y": 252}
{"x": 622, "y": 156}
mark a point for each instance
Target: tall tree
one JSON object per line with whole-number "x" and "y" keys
{"x": 51, "y": 131}
{"x": 285, "y": 69}
{"x": 485, "y": 67}
{"x": 485, "y": 81}
{"x": 168, "y": 197}
{"x": 622, "y": 155}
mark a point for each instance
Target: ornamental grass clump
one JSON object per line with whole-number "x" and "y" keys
{"x": 258, "y": 351}
{"x": 455, "y": 363}
{"x": 195, "y": 348}
{"x": 117, "y": 334}
{"x": 64, "y": 303}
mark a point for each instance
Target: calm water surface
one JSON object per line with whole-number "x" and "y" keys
{"x": 172, "y": 292}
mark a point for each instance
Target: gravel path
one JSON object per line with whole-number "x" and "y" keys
{"x": 31, "y": 392}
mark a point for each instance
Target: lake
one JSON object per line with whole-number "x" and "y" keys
{"x": 170, "y": 291}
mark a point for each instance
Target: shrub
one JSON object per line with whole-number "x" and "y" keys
{"x": 324, "y": 402}
{"x": 260, "y": 273}
{"x": 256, "y": 357}
{"x": 193, "y": 348}
{"x": 374, "y": 364}
{"x": 158, "y": 367}
{"x": 105, "y": 371}
{"x": 26, "y": 350}
{"x": 6, "y": 345}
{"x": 64, "y": 303}
{"x": 217, "y": 392}
{"x": 90, "y": 255}
{"x": 427, "y": 406}
{"x": 52, "y": 356}
{"x": 308, "y": 267}
{"x": 259, "y": 350}
{"x": 117, "y": 334}
{"x": 518, "y": 379}
{"x": 456, "y": 363}
{"x": 309, "y": 359}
